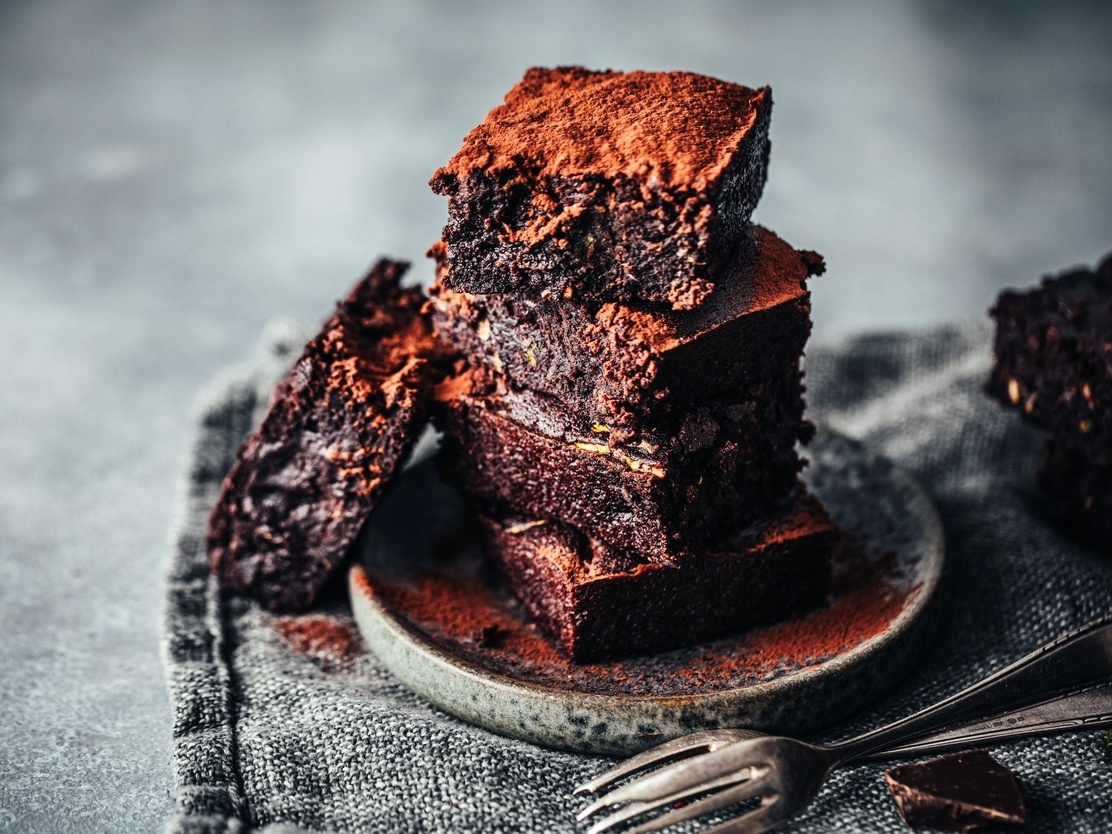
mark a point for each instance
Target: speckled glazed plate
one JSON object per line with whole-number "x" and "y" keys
{"x": 429, "y": 609}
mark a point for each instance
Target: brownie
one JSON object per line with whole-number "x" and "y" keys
{"x": 594, "y": 611}
{"x": 1053, "y": 356}
{"x": 1052, "y": 361}
{"x": 725, "y": 465}
{"x": 622, "y": 366}
{"x": 618, "y": 186}
{"x": 336, "y": 429}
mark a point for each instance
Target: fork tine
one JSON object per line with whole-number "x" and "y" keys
{"x": 714, "y": 802}
{"x": 674, "y": 782}
{"x": 706, "y": 741}
{"x": 636, "y": 809}
{"x": 730, "y": 764}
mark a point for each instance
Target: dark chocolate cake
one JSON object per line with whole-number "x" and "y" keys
{"x": 1077, "y": 491}
{"x": 337, "y": 427}
{"x": 613, "y": 354}
{"x": 597, "y": 607}
{"x": 619, "y": 186}
{"x": 727, "y": 465}
{"x": 624, "y": 368}
{"x": 1052, "y": 361}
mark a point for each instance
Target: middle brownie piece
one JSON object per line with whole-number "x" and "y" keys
{"x": 716, "y": 467}
{"x": 621, "y": 367}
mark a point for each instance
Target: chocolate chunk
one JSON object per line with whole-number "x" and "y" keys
{"x": 959, "y": 792}
{"x": 337, "y": 427}
{"x": 618, "y": 186}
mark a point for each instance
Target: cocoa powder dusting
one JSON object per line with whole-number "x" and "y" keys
{"x": 458, "y": 613}
{"x": 330, "y": 642}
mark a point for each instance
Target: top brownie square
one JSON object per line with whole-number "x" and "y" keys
{"x": 617, "y": 186}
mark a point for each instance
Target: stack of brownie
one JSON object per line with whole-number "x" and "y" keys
{"x": 1053, "y": 362}
{"x": 628, "y": 413}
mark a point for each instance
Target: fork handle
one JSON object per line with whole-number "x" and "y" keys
{"x": 1061, "y": 666}
{"x": 1089, "y": 708}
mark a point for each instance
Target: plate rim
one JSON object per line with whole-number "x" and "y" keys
{"x": 388, "y": 635}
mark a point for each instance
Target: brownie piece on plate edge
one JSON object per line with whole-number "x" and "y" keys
{"x": 1052, "y": 361}
{"x": 618, "y": 186}
{"x": 600, "y": 605}
{"x": 337, "y": 428}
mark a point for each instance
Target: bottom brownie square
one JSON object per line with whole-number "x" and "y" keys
{"x": 595, "y": 608}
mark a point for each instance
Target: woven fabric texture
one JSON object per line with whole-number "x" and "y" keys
{"x": 286, "y": 724}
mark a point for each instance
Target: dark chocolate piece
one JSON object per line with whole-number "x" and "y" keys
{"x": 726, "y": 464}
{"x": 597, "y": 607}
{"x": 337, "y": 427}
{"x": 622, "y": 367}
{"x": 959, "y": 792}
{"x": 619, "y": 186}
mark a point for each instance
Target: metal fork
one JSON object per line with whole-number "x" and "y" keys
{"x": 1089, "y": 708}
{"x": 725, "y": 767}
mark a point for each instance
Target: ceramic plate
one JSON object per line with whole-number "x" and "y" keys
{"x": 428, "y": 607}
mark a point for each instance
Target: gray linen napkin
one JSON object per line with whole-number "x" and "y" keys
{"x": 288, "y": 725}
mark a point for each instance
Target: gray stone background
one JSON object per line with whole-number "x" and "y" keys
{"x": 175, "y": 175}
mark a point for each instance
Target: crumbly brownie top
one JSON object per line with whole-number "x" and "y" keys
{"x": 1076, "y": 304}
{"x": 769, "y": 272}
{"x": 1052, "y": 352}
{"x": 679, "y": 128}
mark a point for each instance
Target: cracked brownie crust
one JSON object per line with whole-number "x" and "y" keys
{"x": 619, "y": 186}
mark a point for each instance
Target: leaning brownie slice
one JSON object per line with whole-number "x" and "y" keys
{"x": 727, "y": 464}
{"x": 620, "y": 186}
{"x": 1053, "y": 356}
{"x": 773, "y": 571}
{"x": 337, "y": 427}
{"x": 621, "y": 366}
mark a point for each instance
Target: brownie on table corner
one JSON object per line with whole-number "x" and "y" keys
{"x": 725, "y": 466}
{"x": 336, "y": 430}
{"x": 599, "y": 610}
{"x": 1052, "y": 361}
{"x": 617, "y": 186}
{"x": 622, "y": 366}
{"x": 1077, "y": 491}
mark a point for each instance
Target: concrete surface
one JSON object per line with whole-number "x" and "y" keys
{"x": 174, "y": 175}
